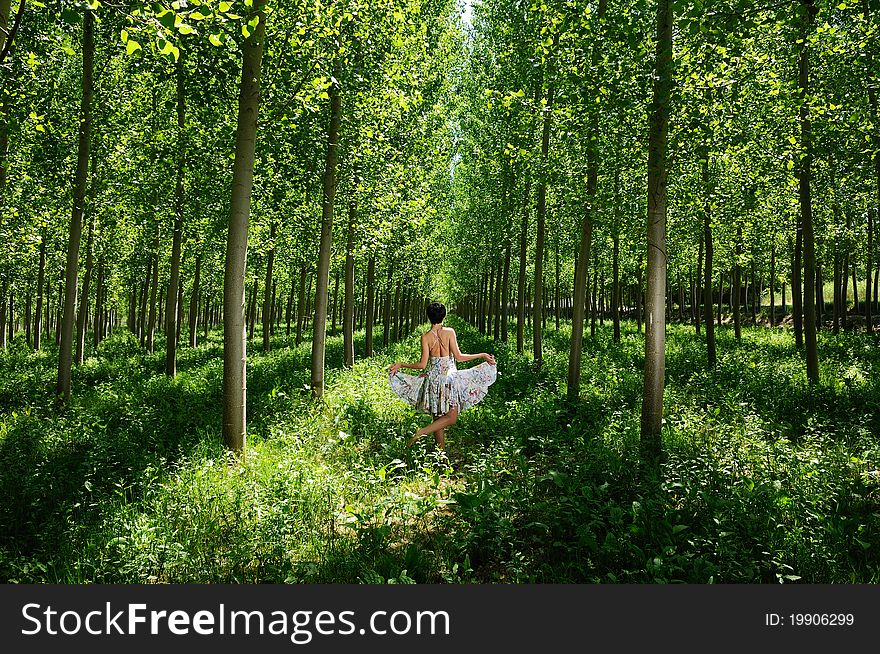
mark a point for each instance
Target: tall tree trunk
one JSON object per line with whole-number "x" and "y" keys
{"x": 581, "y": 279}
{"x": 319, "y": 327}
{"x": 505, "y": 293}
{"x": 540, "y": 213}
{"x": 796, "y": 291}
{"x": 98, "y": 324}
{"x": 615, "y": 285}
{"x": 335, "y": 305}
{"x": 348, "y": 308}
{"x": 736, "y": 288}
{"x": 773, "y": 282}
{"x": 371, "y": 305}
{"x": 521, "y": 282}
{"x": 301, "y": 304}
{"x": 82, "y": 318}
{"x": 194, "y": 303}
{"x": 698, "y": 287}
{"x": 267, "y": 293}
{"x": 252, "y": 310}
{"x": 172, "y": 326}
{"x": 805, "y": 201}
{"x": 65, "y": 359}
{"x": 41, "y": 280}
{"x": 234, "y": 342}
{"x": 870, "y": 255}
{"x": 386, "y": 318}
{"x": 2, "y": 317}
{"x": 655, "y": 324}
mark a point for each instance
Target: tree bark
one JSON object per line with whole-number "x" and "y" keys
{"x": 65, "y": 359}
{"x": 194, "y": 303}
{"x": 301, "y": 304}
{"x": 267, "y": 293}
{"x": 521, "y": 282}
{"x": 371, "y": 305}
{"x": 655, "y": 324}
{"x": 234, "y": 342}
{"x": 82, "y": 318}
{"x": 773, "y": 283}
{"x": 540, "y": 213}
{"x": 581, "y": 280}
{"x": 41, "y": 280}
{"x": 805, "y": 201}
{"x": 505, "y": 293}
{"x": 736, "y": 288}
{"x": 348, "y": 308}
{"x": 796, "y": 291}
{"x": 319, "y": 326}
{"x": 172, "y": 326}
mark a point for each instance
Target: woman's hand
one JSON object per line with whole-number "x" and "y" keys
{"x": 489, "y": 358}
{"x": 392, "y": 370}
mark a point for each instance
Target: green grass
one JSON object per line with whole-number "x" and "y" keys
{"x": 765, "y": 479}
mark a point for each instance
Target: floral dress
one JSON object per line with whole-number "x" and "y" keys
{"x": 443, "y": 386}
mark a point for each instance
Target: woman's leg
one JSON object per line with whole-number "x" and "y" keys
{"x": 440, "y": 423}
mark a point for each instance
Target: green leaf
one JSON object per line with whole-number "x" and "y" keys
{"x": 183, "y": 28}
{"x": 123, "y": 35}
{"x": 225, "y": 6}
{"x": 215, "y": 40}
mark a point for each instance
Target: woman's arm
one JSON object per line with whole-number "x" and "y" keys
{"x": 416, "y": 366}
{"x": 453, "y": 346}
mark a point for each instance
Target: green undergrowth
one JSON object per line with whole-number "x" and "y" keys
{"x": 764, "y": 478}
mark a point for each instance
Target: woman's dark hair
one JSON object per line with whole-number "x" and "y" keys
{"x": 436, "y": 312}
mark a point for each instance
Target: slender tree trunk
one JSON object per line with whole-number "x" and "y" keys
{"x": 41, "y": 280}
{"x": 870, "y": 256}
{"x": 581, "y": 279}
{"x": 65, "y": 359}
{"x": 805, "y": 201}
{"x": 697, "y": 287}
{"x": 396, "y": 327}
{"x": 172, "y": 326}
{"x": 496, "y": 302}
{"x": 335, "y": 305}
{"x": 773, "y": 283}
{"x": 267, "y": 293}
{"x": 252, "y": 312}
{"x": 386, "y": 318}
{"x": 194, "y": 303}
{"x": 594, "y": 300}
{"x": 98, "y": 324}
{"x": 371, "y": 305}
{"x": 348, "y": 309}
{"x": 736, "y": 288}
{"x": 505, "y": 294}
{"x": 301, "y": 304}
{"x": 82, "y": 318}
{"x": 711, "y": 354}
{"x": 234, "y": 341}
{"x": 319, "y": 328}
{"x": 521, "y": 282}
{"x": 615, "y": 286}
{"x": 540, "y": 212}
{"x": 796, "y": 292}
{"x": 835, "y": 320}
{"x": 655, "y": 325}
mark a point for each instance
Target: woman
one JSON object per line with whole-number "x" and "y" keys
{"x": 443, "y": 391}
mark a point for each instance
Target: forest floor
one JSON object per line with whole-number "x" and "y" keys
{"x": 764, "y": 479}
